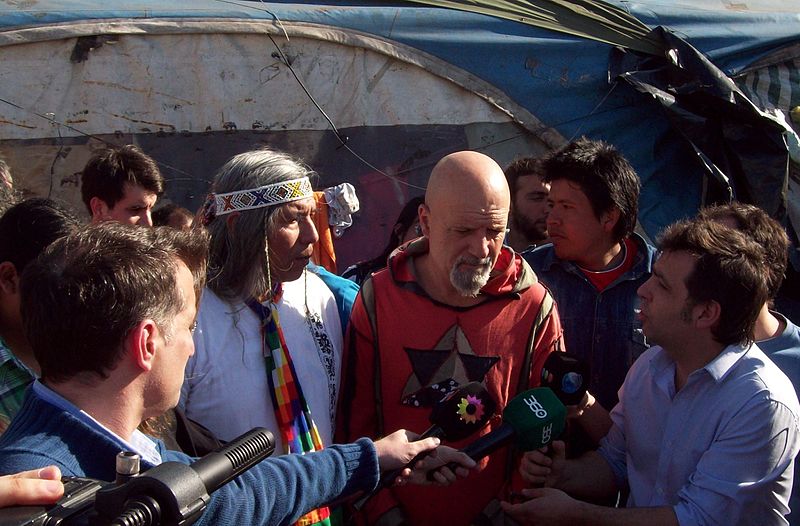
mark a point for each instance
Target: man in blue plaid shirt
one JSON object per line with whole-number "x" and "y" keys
{"x": 14, "y": 379}
{"x": 25, "y": 230}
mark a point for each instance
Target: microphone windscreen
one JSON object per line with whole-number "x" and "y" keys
{"x": 463, "y": 412}
{"x": 537, "y": 416}
{"x": 567, "y": 375}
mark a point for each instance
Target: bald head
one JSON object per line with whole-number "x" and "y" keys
{"x": 464, "y": 218}
{"x": 470, "y": 179}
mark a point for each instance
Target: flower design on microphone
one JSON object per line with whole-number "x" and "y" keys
{"x": 470, "y": 409}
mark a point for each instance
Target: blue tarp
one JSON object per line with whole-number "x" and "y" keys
{"x": 561, "y": 79}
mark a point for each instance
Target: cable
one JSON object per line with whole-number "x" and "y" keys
{"x": 52, "y": 120}
{"x": 55, "y": 159}
{"x": 597, "y": 106}
{"x": 342, "y": 138}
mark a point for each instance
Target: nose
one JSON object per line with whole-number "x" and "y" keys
{"x": 643, "y": 288}
{"x": 546, "y": 211}
{"x": 552, "y": 215}
{"x": 479, "y": 245}
{"x": 308, "y": 232}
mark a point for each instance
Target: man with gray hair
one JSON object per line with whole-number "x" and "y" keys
{"x": 453, "y": 306}
{"x": 268, "y": 340}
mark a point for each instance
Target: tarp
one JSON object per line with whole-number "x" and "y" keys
{"x": 542, "y": 86}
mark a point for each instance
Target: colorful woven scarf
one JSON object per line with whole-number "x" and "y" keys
{"x": 297, "y": 428}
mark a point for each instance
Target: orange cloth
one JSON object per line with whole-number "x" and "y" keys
{"x": 324, "y": 255}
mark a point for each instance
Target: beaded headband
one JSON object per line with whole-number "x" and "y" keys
{"x": 269, "y": 195}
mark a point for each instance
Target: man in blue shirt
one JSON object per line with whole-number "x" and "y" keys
{"x": 109, "y": 312}
{"x": 706, "y": 428}
{"x": 775, "y": 334}
{"x": 595, "y": 262}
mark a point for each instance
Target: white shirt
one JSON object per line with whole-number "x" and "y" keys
{"x": 226, "y": 387}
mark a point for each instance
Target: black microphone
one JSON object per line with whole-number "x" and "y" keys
{"x": 567, "y": 375}
{"x": 176, "y": 493}
{"x": 531, "y": 420}
{"x": 459, "y": 414}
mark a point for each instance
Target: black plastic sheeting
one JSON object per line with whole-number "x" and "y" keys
{"x": 741, "y": 152}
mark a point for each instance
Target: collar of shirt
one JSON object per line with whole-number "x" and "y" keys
{"x": 720, "y": 366}
{"x": 139, "y": 443}
{"x": 663, "y": 367}
{"x": 6, "y": 356}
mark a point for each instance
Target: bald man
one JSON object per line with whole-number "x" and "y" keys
{"x": 453, "y": 306}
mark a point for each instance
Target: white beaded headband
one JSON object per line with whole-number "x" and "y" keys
{"x": 269, "y": 195}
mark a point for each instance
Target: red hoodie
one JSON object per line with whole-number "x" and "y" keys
{"x": 426, "y": 349}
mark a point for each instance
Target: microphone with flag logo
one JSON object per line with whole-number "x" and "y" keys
{"x": 531, "y": 420}
{"x": 567, "y": 375}
{"x": 459, "y": 414}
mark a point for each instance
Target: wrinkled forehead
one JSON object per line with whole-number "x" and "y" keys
{"x": 462, "y": 214}
{"x": 305, "y": 205}
{"x": 293, "y": 210}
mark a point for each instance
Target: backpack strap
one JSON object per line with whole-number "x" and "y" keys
{"x": 545, "y": 309}
{"x": 368, "y": 299}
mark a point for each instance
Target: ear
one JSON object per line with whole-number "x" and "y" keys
{"x": 707, "y": 314}
{"x": 143, "y": 343}
{"x": 424, "y": 219}
{"x": 9, "y": 279}
{"x": 99, "y": 208}
{"x": 609, "y": 219}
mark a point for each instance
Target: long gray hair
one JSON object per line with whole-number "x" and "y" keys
{"x": 237, "y": 262}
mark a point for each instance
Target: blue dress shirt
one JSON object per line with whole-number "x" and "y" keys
{"x": 784, "y": 350}
{"x": 719, "y": 451}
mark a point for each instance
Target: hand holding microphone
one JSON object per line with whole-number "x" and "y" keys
{"x": 531, "y": 420}
{"x": 459, "y": 414}
{"x": 543, "y": 467}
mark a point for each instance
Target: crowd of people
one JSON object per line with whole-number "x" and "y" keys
{"x": 167, "y": 333}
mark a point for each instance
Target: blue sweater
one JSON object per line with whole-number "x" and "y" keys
{"x": 276, "y": 491}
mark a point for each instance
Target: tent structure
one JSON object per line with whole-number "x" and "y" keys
{"x": 374, "y": 93}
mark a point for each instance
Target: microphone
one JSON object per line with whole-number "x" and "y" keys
{"x": 567, "y": 375}
{"x": 531, "y": 420}
{"x": 176, "y": 493}
{"x": 459, "y": 414}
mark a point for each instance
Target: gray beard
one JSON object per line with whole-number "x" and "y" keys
{"x": 469, "y": 283}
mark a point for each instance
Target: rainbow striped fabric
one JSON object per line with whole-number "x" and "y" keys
{"x": 297, "y": 428}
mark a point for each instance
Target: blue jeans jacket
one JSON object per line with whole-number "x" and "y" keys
{"x": 600, "y": 327}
